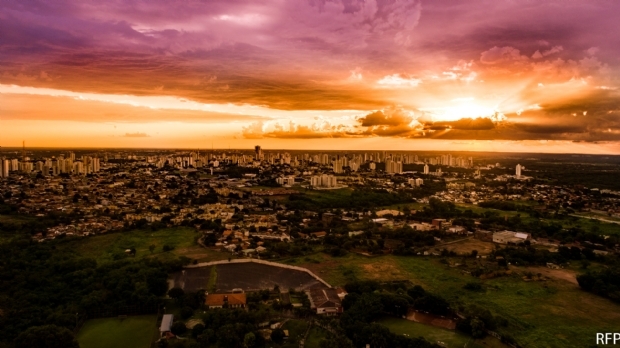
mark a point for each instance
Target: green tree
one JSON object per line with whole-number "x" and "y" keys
{"x": 249, "y": 341}
{"x": 178, "y": 328}
{"x": 277, "y": 335}
{"x": 48, "y": 336}
{"x": 197, "y": 330}
{"x": 176, "y": 293}
{"x": 186, "y": 312}
{"x": 477, "y": 328}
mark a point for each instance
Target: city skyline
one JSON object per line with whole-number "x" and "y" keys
{"x": 499, "y": 76}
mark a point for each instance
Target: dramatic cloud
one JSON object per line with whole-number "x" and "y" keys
{"x": 136, "y": 135}
{"x": 396, "y": 80}
{"x": 344, "y": 69}
{"x": 388, "y": 117}
{"x": 260, "y": 130}
{"x": 538, "y": 55}
{"x": 501, "y": 55}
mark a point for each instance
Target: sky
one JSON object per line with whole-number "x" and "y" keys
{"x": 480, "y": 75}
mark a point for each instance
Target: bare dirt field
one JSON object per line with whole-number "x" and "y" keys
{"x": 466, "y": 246}
{"x": 428, "y": 319}
{"x": 246, "y": 276}
{"x": 254, "y": 276}
{"x": 192, "y": 279}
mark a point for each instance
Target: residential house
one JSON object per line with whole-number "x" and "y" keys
{"x": 226, "y": 300}
{"x": 325, "y": 301}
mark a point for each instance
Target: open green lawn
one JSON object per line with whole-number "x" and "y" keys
{"x": 555, "y": 313}
{"x": 107, "y": 247}
{"x": 132, "y": 332}
{"x": 430, "y": 333}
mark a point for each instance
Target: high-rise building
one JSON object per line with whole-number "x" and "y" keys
{"x": 518, "y": 171}
{"x": 258, "y": 153}
{"x": 393, "y": 167}
{"x": 324, "y": 159}
{"x": 96, "y": 164}
{"x": 388, "y": 166}
{"x": 337, "y": 166}
{"x": 4, "y": 168}
{"x": 426, "y": 169}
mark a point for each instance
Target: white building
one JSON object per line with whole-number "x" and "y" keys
{"x": 518, "y": 171}
{"x": 506, "y": 237}
{"x": 426, "y": 169}
{"x": 416, "y": 182}
{"x": 323, "y": 181}
{"x": 78, "y": 167}
{"x": 286, "y": 181}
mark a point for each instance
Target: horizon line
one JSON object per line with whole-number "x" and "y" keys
{"x": 284, "y": 149}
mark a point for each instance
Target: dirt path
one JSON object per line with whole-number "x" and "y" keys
{"x": 596, "y": 218}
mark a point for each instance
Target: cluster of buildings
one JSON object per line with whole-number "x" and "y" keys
{"x": 51, "y": 166}
{"x": 112, "y": 190}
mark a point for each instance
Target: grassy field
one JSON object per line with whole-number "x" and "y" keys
{"x": 572, "y": 221}
{"x": 314, "y": 338}
{"x": 132, "y": 332}
{"x": 16, "y": 219}
{"x": 402, "y": 206}
{"x": 107, "y": 247}
{"x": 7, "y": 233}
{"x": 555, "y": 313}
{"x": 296, "y": 329}
{"x": 430, "y": 333}
{"x": 598, "y": 216}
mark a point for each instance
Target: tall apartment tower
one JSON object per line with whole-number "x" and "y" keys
{"x": 337, "y": 166}
{"x": 258, "y": 153}
{"x": 518, "y": 171}
{"x": 426, "y": 170}
{"x": 4, "y": 168}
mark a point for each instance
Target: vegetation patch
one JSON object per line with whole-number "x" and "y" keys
{"x": 433, "y": 334}
{"x": 315, "y": 336}
{"x": 550, "y": 314}
{"x": 146, "y": 243}
{"x": 131, "y": 332}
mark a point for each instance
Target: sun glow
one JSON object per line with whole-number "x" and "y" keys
{"x": 461, "y": 108}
